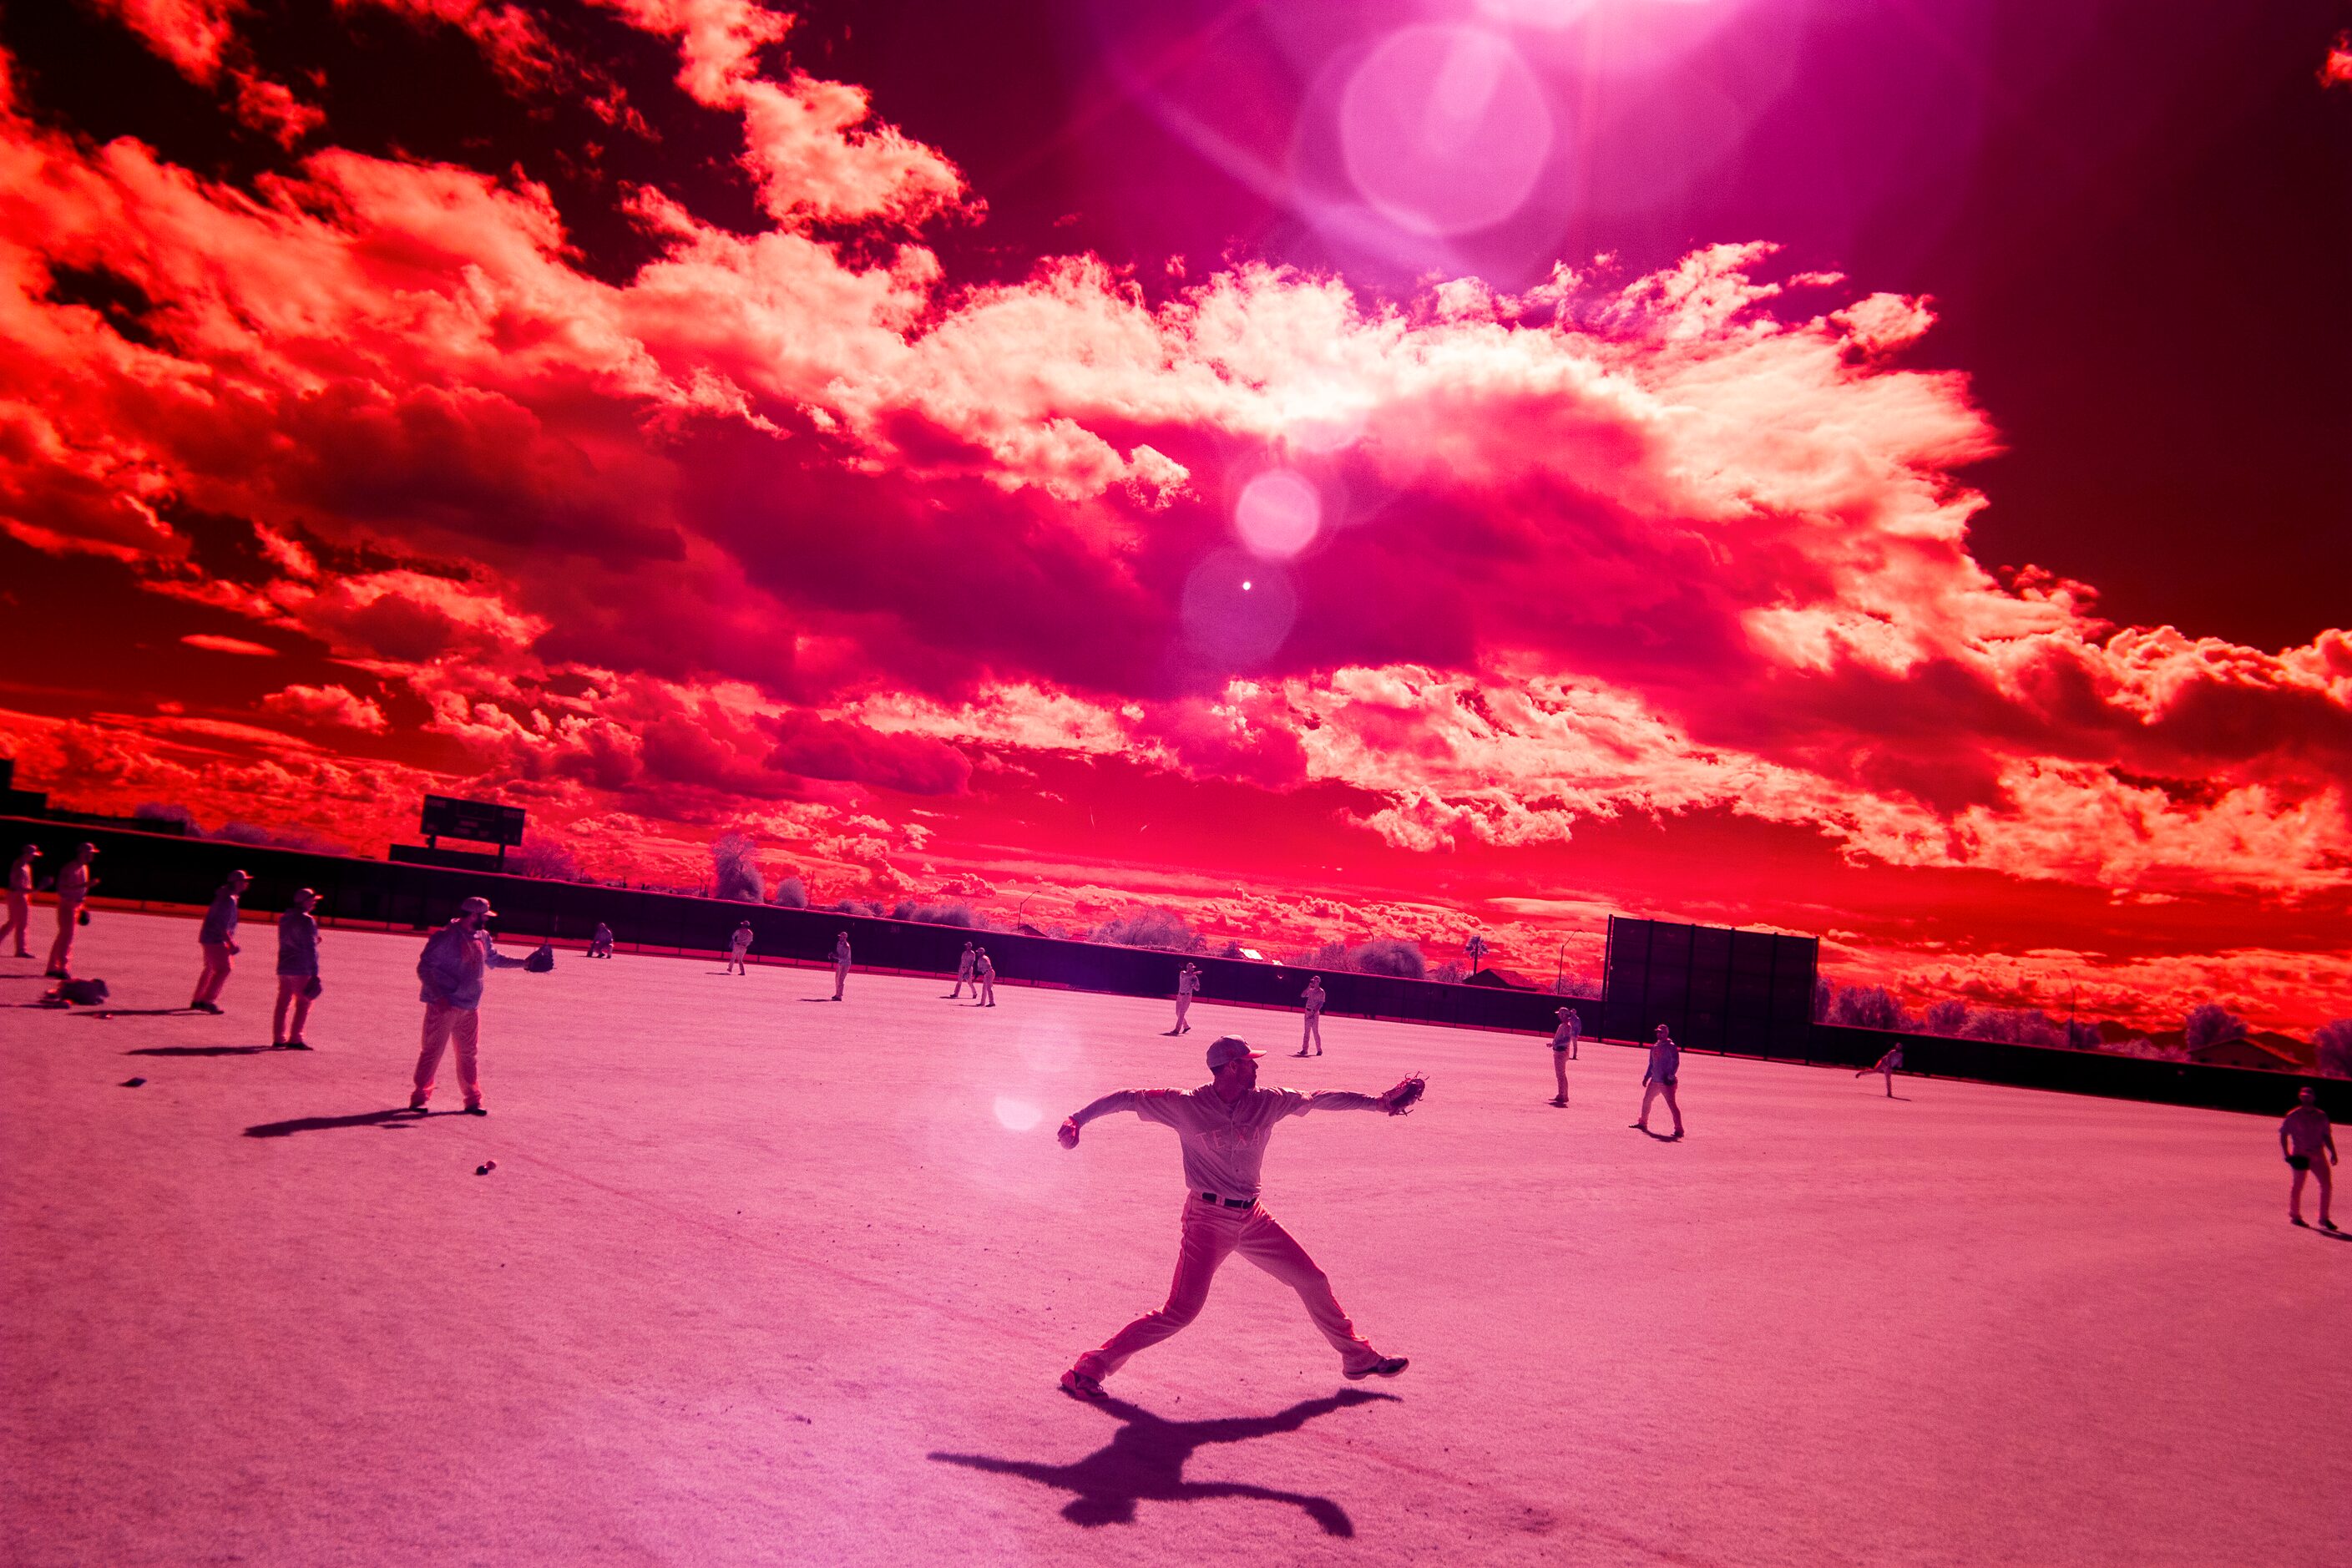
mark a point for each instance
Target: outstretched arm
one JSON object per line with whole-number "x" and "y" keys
{"x": 1343, "y": 1099}
{"x": 1116, "y": 1100}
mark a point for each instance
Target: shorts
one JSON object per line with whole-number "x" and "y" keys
{"x": 1666, "y": 1083}
{"x": 2298, "y": 1162}
{"x": 1560, "y": 1045}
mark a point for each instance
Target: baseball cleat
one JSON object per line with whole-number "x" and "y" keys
{"x": 1387, "y": 1367}
{"x": 1078, "y": 1385}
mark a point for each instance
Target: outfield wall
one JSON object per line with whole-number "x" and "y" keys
{"x": 142, "y": 869}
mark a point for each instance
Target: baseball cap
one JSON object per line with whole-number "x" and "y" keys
{"x": 1229, "y": 1048}
{"x": 476, "y": 906}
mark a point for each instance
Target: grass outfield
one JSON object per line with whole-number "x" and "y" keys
{"x": 762, "y": 1278}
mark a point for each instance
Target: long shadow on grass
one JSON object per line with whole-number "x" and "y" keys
{"x": 1145, "y": 1460}
{"x": 393, "y": 1118}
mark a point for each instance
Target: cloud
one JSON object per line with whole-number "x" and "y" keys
{"x": 335, "y": 705}
{"x": 781, "y": 514}
{"x": 212, "y": 642}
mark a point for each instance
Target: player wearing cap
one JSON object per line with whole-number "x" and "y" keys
{"x": 840, "y": 964}
{"x": 20, "y": 898}
{"x": 1223, "y": 1127}
{"x": 1313, "y": 998}
{"x": 1188, "y": 981}
{"x": 737, "y": 946}
{"x": 217, "y": 937}
{"x": 451, "y": 968}
{"x": 983, "y": 979}
{"x": 1563, "y": 1048}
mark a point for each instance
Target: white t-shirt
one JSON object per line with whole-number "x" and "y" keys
{"x": 1224, "y": 1145}
{"x": 741, "y": 941}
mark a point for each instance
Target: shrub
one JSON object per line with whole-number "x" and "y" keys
{"x": 1388, "y": 955}
{"x": 859, "y": 907}
{"x": 1869, "y": 1008}
{"x": 273, "y": 838}
{"x": 936, "y": 914}
{"x": 1154, "y": 926}
{"x": 164, "y": 811}
{"x": 2334, "y": 1042}
{"x": 1448, "y": 971}
{"x": 2138, "y": 1046}
{"x": 791, "y": 893}
{"x": 545, "y": 858}
{"x": 735, "y": 869}
{"x": 2210, "y": 1024}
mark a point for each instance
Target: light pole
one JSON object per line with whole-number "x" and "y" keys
{"x": 1559, "y": 966}
{"x": 1021, "y": 911}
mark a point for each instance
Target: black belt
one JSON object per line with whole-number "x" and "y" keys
{"x": 1228, "y": 1202}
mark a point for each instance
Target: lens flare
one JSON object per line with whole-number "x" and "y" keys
{"x": 1444, "y": 129}
{"x": 1278, "y": 514}
{"x": 1016, "y": 1115}
{"x": 1236, "y": 610}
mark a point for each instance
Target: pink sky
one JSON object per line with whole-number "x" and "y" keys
{"x": 1311, "y": 606}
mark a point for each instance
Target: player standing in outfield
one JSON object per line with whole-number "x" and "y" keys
{"x": 1658, "y": 1078}
{"x": 1188, "y": 981}
{"x": 1313, "y": 997}
{"x": 984, "y": 983}
{"x": 963, "y": 974}
{"x": 2309, "y": 1145}
{"x": 217, "y": 937}
{"x": 1223, "y": 1126}
{"x": 451, "y": 968}
{"x": 298, "y": 971}
{"x": 737, "y": 946}
{"x": 840, "y": 964}
{"x": 1563, "y": 1048}
{"x": 600, "y": 944}
{"x": 20, "y": 898}
{"x": 73, "y": 887}
{"x": 1886, "y": 1067}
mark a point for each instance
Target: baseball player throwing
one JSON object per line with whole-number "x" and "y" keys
{"x": 1223, "y": 1126}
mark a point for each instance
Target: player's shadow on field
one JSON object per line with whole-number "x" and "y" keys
{"x": 202, "y": 1051}
{"x": 391, "y": 1120}
{"x": 1145, "y": 1461}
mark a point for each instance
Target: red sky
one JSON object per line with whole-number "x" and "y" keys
{"x": 1338, "y": 469}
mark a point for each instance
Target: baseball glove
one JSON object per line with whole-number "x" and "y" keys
{"x": 1405, "y": 1095}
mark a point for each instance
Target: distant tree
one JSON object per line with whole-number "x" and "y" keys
{"x": 1331, "y": 956}
{"x": 791, "y": 893}
{"x": 2334, "y": 1042}
{"x": 1450, "y": 972}
{"x": 735, "y": 868}
{"x": 274, "y": 837}
{"x": 1584, "y": 988}
{"x": 546, "y": 858}
{"x": 1388, "y": 955}
{"x": 1948, "y": 1018}
{"x": 2138, "y": 1046}
{"x": 165, "y": 812}
{"x": 2210, "y": 1024}
{"x": 1233, "y": 950}
{"x": 1825, "y": 999}
{"x": 1151, "y": 926}
{"x": 2083, "y": 1036}
{"x": 860, "y": 906}
{"x": 936, "y": 915}
{"x": 1869, "y": 1008}
{"x": 1476, "y": 948}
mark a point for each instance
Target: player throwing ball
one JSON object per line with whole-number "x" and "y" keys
{"x": 1223, "y": 1126}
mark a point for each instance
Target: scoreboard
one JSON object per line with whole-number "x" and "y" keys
{"x": 475, "y": 821}
{"x": 1716, "y": 988}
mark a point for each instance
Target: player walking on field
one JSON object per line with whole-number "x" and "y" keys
{"x": 840, "y": 964}
{"x": 1223, "y": 1127}
{"x": 1658, "y": 1078}
{"x": 1886, "y": 1067}
{"x": 2309, "y": 1145}
{"x": 1563, "y": 1048}
{"x": 1313, "y": 997}
{"x": 450, "y": 970}
{"x": 737, "y": 946}
{"x": 20, "y": 898}
{"x": 73, "y": 887}
{"x": 963, "y": 974}
{"x": 298, "y": 971}
{"x": 1188, "y": 981}
{"x": 217, "y": 937}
